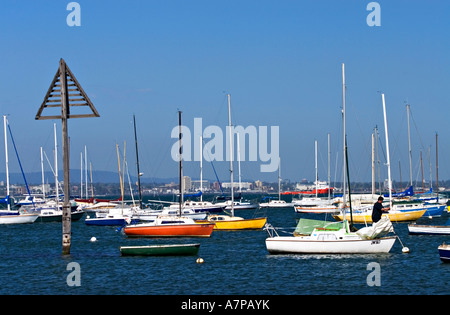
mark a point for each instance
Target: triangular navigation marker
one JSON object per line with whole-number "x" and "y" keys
{"x": 65, "y": 92}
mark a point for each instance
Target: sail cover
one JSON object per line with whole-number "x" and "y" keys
{"x": 306, "y": 226}
{"x": 378, "y": 229}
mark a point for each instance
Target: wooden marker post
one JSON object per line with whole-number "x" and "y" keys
{"x": 65, "y": 92}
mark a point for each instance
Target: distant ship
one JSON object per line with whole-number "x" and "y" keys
{"x": 319, "y": 188}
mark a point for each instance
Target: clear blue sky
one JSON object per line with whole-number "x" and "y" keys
{"x": 279, "y": 60}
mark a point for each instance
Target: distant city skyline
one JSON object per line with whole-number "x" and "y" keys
{"x": 279, "y": 61}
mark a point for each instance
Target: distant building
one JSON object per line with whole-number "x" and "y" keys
{"x": 244, "y": 185}
{"x": 186, "y": 183}
{"x": 195, "y": 185}
{"x": 216, "y": 186}
{"x": 19, "y": 190}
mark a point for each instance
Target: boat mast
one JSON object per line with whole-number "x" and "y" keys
{"x": 56, "y": 168}
{"x": 180, "y": 162}
{"x": 120, "y": 174}
{"x": 421, "y": 168}
{"x": 42, "y": 171}
{"x": 201, "y": 168}
{"x": 437, "y": 176}
{"x": 6, "y": 161}
{"x": 409, "y": 145}
{"x": 137, "y": 163}
{"x": 329, "y": 169}
{"x": 81, "y": 175}
{"x": 279, "y": 179}
{"x": 387, "y": 151}
{"x": 373, "y": 165}
{"x": 315, "y": 164}
{"x": 231, "y": 155}
{"x": 431, "y": 171}
{"x": 85, "y": 172}
{"x": 92, "y": 185}
{"x": 377, "y": 136}
{"x": 239, "y": 163}
{"x": 344, "y": 142}
{"x": 123, "y": 174}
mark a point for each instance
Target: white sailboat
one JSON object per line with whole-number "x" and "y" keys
{"x": 9, "y": 216}
{"x": 50, "y": 210}
{"x": 317, "y": 204}
{"x": 397, "y": 213}
{"x": 115, "y": 216}
{"x": 277, "y": 203}
{"x": 201, "y": 206}
{"x": 325, "y": 239}
{"x": 172, "y": 226}
{"x": 232, "y": 222}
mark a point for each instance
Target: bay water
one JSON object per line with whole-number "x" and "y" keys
{"x": 235, "y": 263}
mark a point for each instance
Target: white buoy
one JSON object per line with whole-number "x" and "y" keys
{"x": 199, "y": 260}
{"x": 404, "y": 248}
{"x": 93, "y": 239}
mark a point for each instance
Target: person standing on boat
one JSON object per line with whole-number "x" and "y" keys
{"x": 378, "y": 210}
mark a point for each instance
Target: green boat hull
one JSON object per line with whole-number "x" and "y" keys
{"x": 161, "y": 250}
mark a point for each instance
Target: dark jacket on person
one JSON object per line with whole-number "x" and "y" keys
{"x": 377, "y": 212}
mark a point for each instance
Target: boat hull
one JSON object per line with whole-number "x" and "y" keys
{"x": 434, "y": 211}
{"x": 276, "y": 205}
{"x": 18, "y": 219}
{"x": 161, "y": 250}
{"x": 172, "y": 230}
{"x": 429, "y": 229}
{"x": 297, "y": 245}
{"x": 211, "y": 209}
{"x": 58, "y": 217}
{"x": 243, "y": 207}
{"x": 244, "y": 224}
{"x": 108, "y": 221}
{"x": 324, "y": 209}
{"x": 401, "y": 216}
{"x": 444, "y": 253}
{"x": 105, "y": 222}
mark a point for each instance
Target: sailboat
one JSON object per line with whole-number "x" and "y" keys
{"x": 340, "y": 239}
{"x": 172, "y": 226}
{"x": 397, "y": 213}
{"x": 201, "y": 206}
{"x": 317, "y": 204}
{"x": 52, "y": 210}
{"x": 117, "y": 216}
{"x": 273, "y": 203}
{"x": 9, "y": 216}
{"x": 232, "y": 222}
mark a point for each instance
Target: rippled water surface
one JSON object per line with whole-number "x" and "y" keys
{"x": 235, "y": 263}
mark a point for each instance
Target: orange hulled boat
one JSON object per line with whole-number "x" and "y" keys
{"x": 170, "y": 226}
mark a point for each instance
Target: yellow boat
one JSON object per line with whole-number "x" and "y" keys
{"x": 397, "y": 216}
{"x": 226, "y": 222}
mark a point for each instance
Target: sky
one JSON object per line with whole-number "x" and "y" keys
{"x": 280, "y": 61}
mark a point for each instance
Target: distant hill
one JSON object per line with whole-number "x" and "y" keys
{"x": 35, "y": 178}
